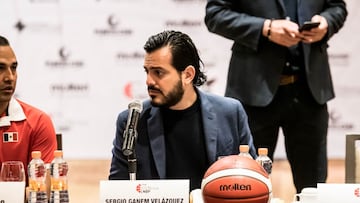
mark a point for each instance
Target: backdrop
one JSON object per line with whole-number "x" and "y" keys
{"x": 81, "y": 62}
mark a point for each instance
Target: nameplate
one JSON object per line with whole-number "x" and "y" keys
{"x": 12, "y": 192}
{"x": 338, "y": 192}
{"x": 144, "y": 191}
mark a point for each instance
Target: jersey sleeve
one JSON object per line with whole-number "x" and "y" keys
{"x": 44, "y": 138}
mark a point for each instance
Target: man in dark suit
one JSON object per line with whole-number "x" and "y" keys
{"x": 182, "y": 130}
{"x": 282, "y": 75}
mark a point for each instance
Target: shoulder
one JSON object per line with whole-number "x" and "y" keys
{"x": 31, "y": 110}
{"x": 218, "y": 100}
{"x": 221, "y": 105}
{"x": 35, "y": 117}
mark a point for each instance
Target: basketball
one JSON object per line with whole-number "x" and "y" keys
{"x": 236, "y": 179}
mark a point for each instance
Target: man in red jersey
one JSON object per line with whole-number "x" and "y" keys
{"x": 23, "y": 128}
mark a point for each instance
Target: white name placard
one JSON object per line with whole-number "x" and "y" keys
{"x": 12, "y": 192}
{"x": 336, "y": 192}
{"x": 144, "y": 191}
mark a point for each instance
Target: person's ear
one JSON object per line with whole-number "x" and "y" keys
{"x": 188, "y": 74}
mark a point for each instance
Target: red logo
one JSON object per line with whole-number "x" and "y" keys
{"x": 357, "y": 192}
{"x": 143, "y": 188}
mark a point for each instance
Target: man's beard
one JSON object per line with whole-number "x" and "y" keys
{"x": 172, "y": 98}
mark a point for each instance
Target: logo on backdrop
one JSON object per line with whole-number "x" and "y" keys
{"x": 10, "y": 137}
{"x": 183, "y": 23}
{"x": 113, "y": 27}
{"x": 135, "y": 89}
{"x": 340, "y": 59}
{"x": 64, "y": 60}
{"x": 130, "y": 56}
{"x": 71, "y": 87}
{"x": 337, "y": 122}
{"x": 19, "y": 26}
{"x": 38, "y": 27}
{"x": 64, "y": 53}
{"x": 357, "y": 192}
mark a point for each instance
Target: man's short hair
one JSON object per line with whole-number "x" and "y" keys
{"x": 3, "y": 41}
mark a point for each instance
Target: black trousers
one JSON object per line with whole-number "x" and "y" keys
{"x": 304, "y": 123}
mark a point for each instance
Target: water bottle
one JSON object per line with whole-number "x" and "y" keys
{"x": 37, "y": 179}
{"x": 244, "y": 151}
{"x": 59, "y": 185}
{"x": 264, "y": 160}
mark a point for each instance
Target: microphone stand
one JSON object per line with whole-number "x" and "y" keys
{"x": 130, "y": 135}
{"x": 132, "y": 165}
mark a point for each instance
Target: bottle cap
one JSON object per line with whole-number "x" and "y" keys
{"x": 244, "y": 148}
{"x": 36, "y": 154}
{"x": 262, "y": 151}
{"x": 58, "y": 153}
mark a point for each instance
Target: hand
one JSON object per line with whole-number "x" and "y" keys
{"x": 285, "y": 33}
{"x": 315, "y": 34}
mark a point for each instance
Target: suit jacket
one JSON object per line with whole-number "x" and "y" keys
{"x": 257, "y": 63}
{"x": 225, "y": 128}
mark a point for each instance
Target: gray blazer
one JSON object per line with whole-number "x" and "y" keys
{"x": 225, "y": 128}
{"x": 256, "y": 63}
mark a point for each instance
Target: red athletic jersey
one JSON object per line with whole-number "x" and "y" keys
{"x": 23, "y": 130}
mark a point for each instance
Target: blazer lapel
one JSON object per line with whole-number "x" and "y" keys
{"x": 210, "y": 126}
{"x": 157, "y": 141}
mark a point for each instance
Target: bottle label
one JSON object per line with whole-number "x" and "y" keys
{"x": 267, "y": 166}
{"x": 37, "y": 197}
{"x": 61, "y": 196}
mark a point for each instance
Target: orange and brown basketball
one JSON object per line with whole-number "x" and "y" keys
{"x": 236, "y": 179}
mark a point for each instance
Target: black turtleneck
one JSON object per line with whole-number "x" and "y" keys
{"x": 186, "y": 156}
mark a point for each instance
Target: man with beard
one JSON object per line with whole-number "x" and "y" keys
{"x": 182, "y": 130}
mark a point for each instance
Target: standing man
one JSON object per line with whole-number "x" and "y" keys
{"x": 23, "y": 128}
{"x": 282, "y": 75}
{"x": 182, "y": 130}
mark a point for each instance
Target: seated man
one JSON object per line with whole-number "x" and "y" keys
{"x": 182, "y": 130}
{"x": 23, "y": 128}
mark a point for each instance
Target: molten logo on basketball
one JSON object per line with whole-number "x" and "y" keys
{"x": 234, "y": 187}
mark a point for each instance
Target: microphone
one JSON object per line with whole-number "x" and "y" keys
{"x": 130, "y": 133}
